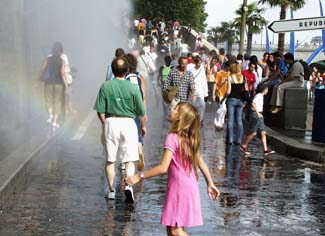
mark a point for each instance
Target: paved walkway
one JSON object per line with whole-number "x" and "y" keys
{"x": 20, "y": 144}
{"x": 279, "y": 195}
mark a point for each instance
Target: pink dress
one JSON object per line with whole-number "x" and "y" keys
{"x": 182, "y": 206}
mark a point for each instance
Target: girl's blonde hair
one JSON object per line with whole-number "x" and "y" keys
{"x": 186, "y": 124}
{"x": 235, "y": 69}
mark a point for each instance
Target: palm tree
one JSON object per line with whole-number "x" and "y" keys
{"x": 254, "y": 21}
{"x": 213, "y": 36}
{"x": 284, "y": 5}
{"x": 227, "y": 33}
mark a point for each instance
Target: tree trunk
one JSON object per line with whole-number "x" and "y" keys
{"x": 243, "y": 26}
{"x": 249, "y": 39}
{"x": 229, "y": 49}
{"x": 216, "y": 43}
{"x": 282, "y": 35}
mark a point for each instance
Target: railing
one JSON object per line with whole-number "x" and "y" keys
{"x": 191, "y": 39}
{"x": 255, "y": 47}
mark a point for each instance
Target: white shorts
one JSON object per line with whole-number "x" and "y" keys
{"x": 121, "y": 139}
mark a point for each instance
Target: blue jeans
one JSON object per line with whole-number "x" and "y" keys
{"x": 138, "y": 123}
{"x": 274, "y": 82}
{"x": 200, "y": 105}
{"x": 234, "y": 111}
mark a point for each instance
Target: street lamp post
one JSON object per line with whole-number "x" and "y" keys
{"x": 242, "y": 28}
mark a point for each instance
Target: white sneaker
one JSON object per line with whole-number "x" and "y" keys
{"x": 129, "y": 197}
{"x": 55, "y": 125}
{"x": 49, "y": 120}
{"x": 110, "y": 194}
{"x": 217, "y": 124}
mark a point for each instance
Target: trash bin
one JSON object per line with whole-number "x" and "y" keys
{"x": 318, "y": 132}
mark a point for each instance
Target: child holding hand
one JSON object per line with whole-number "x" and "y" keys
{"x": 182, "y": 159}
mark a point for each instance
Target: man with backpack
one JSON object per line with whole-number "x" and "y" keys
{"x": 164, "y": 70}
{"x": 294, "y": 79}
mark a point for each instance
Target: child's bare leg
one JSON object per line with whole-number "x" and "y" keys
{"x": 140, "y": 148}
{"x": 248, "y": 139}
{"x": 140, "y": 164}
{"x": 263, "y": 134}
{"x": 176, "y": 231}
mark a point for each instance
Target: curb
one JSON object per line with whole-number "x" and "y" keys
{"x": 291, "y": 147}
{"x": 18, "y": 179}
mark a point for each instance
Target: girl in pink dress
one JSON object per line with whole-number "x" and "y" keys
{"x": 182, "y": 159}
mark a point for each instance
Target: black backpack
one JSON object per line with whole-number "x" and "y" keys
{"x": 307, "y": 70}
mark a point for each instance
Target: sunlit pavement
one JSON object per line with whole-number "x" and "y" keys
{"x": 276, "y": 195}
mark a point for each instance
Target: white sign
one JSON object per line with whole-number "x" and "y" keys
{"x": 303, "y": 24}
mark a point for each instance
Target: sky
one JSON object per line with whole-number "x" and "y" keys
{"x": 220, "y": 10}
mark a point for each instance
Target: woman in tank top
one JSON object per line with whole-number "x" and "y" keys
{"x": 235, "y": 104}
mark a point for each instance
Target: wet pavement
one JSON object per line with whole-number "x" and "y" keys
{"x": 277, "y": 195}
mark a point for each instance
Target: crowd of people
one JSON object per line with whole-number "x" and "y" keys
{"x": 241, "y": 88}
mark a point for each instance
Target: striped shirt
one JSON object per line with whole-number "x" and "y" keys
{"x": 186, "y": 85}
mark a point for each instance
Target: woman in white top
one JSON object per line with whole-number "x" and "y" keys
{"x": 201, "y": 87}
{"x": 143, "y": 65}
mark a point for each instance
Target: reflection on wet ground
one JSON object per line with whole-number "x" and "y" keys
{"x": 276, "y": 195}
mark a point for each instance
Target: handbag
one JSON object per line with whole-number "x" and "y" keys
{"x": 170, "y": 94}
{"x": 244, "y": 95}
{"x": 67, "y": 72}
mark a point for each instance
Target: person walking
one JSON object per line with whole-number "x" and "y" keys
{"x": 250, "y": 79}
{"x": 134, "y": 77}
{"x": 68, "y": 108}
{"x": 163, "y": 73}
{"x": 256, "y": 122}
{"x": 182, "y": 159}
{"x": 182, "y": 78}
{"x": 220, "y": 95}
{"x": 235, "y": 104}
{"x": 118, "y": 53}
{"x": 54, "y": 76}
{"x": 198, "y": 44}
{"x": 212, "y": 69}
{"x": 118, "y": 103}
{"x": 143, "y": 65}
{"x": 201, "y": 87}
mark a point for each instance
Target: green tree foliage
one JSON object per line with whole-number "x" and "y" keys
{"x": 186, "y": 11}
{"x": 214, "y": 36}
{"x": 284, "y": 5}
{"x": 254, "y": 21}
{"x": 227, "y": 32}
